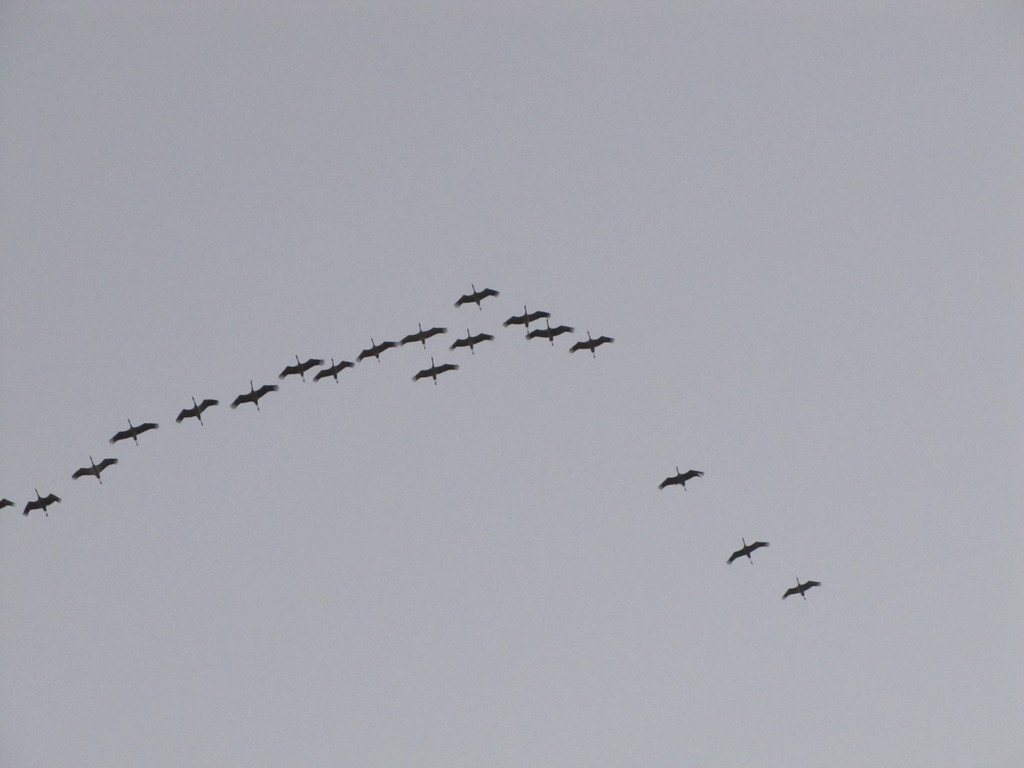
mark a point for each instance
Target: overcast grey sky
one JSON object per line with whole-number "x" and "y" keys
{"x": 801, "y": 223}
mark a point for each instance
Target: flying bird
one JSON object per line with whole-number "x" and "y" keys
{"x": 799, "y": 589}
{"x": 253, "y": 395}
{"x": 746, "y": 550}
{"x": 476, "y": 296}
{"x": 681, "y": 478}
{"x": 196, "y": 411}
{"x": 591, "y": 344}
{"x": 375, "y": 349}
{"x": 41, "y": 502}
{"x": 470, "y": 341}
{"x": 422, "y": 335}
{"x": 526, "y": 318}
{"x": 6, "y": 503}
{"x": 300, "y": 368}
{"x": 94, "y": 470}
{"x": 133, "y": 432}
{"x": 549, "y": 333}
{"x": 434, "y": 371}
{"x": 334, "y": 370}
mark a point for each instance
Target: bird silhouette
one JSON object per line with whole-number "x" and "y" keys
{"x": 300, "y": 368}
{"x": 799, "y": 589}
{"x": 434, "y": 371}
{"x": 526, "y": 318}
{"x": 681, "y": 478}
{"x": 253, "y": 395}
{"x": 549, "y": 333}
{"x": 375, "y": 349}
{"x": 196, "y": 411}
{"x": 471, "y": 341}
{"x": 746, "y": 550}
{"x": 133, "y": 431}
{"x": 94, "y": 470}
{"x": 41, "y": 502}
{"x": 6, "y": 503}
{"x": 476, "y": 297}
{"x": 334, "y": 370}
{"x": 422, "y": 335}
{"x": 591, "y": 344}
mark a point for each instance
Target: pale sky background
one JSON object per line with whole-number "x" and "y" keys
{"x": 801, "y": 222}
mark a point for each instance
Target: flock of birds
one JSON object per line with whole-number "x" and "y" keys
{"x": 301, "y": 368}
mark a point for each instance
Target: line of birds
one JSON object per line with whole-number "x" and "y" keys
{"x": 301, "y": 368}
{"x": 680, "y": 478}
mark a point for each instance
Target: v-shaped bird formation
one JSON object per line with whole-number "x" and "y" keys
{"x": 421, "y": 335}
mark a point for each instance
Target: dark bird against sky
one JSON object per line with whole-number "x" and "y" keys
{"x": 94, "y": 470}
{"x": 591, "y": 344}
{"x": 133, "y": 432}
{"x": 681, "y": 478}
{"x": 41, "y": 502}
{"x": 196, "y": 411}
{"x": 253, "y": 395}
{"x": 476, "y": 296}
{"x": 6, "y": 503}
{"x": 471, "y": 341}
{"x": 799, "y": 589}
{"x": 549, "y": 333}
{"x": 434, "y": 371}
{"x": 746, "y": 550}
{"x": 300, "y": 368}
{"x": 334, "y": 370}
{"x": 422, "y": 335}
{"x": 526, "y": 318}
{"x": 375, "y": 349}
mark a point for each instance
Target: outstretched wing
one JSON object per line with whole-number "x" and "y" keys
{"x": 515, "y": 320}
{"x": 265, "y": 389}
{"x": 791, "y": 591}
{"x": 578, "y": 346}
{"x": 146, "y": 427}
{"x": 422, "y": 374}
{"x": 446, "y": 367}
{"x": 185, "y": 414}
{"x": 487, "y": 292}
{"x": 104, "y": 464}
{"x": 691, "y": 474}
{"x": 412, "y": 337}
{"x": 669, "y": 481}
{"x": 207, "y": 404}
{"x": 288, "y": 371}
{"x": 734, "y": 555}
{"x": 6, "y": 503}
{"x": 603, "y": 340}
{"x": 459, "y": 343}
{"x": 81, "y": 472}
{"x": 120, "y": 436}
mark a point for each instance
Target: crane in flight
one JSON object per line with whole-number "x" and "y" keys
{"x": 680, "y": 478}
{"x": 799, "y": 589}
{"x": 746, "y": 550}
{"x": 133, "y": 432}
{"x": 253, "y": 395}
{"x": 421, "y": 335}
{"x": 526, "y": 318}
{"x": 93, "y": 470}
{"x": 434, "y": 371}
{"x": 549, "y": 333}
{"x": 41, "y": 502}
{"x": 375, "y": 349}
{"x": 591, "y": 344}
{"x": 471, "y": 341}
{"x": 334, "y": 370}
{"x": 300, "y": 368}
{"x": 196, "y": 411}
{"x": 476, "y": 296}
